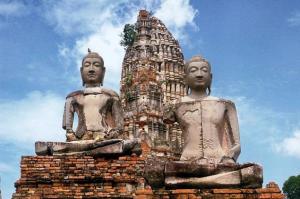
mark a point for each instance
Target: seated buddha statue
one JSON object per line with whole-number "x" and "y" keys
{"x": 211, "y": 137}
{"x": 209, "y": 124}
{"x": 99, "y": 113}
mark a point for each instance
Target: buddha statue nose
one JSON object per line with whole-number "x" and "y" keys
{"x": 199, "y": 74}
{"x": 92, "y": 69}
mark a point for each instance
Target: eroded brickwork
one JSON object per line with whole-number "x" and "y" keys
{"x": 77, "y": 176}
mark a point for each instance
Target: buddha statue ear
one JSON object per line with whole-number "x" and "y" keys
{"x": 83, "y": 83}
{"x": 188, "y": 90}
{"x": 209, "y": 84}
{"x": 102, "y": 76}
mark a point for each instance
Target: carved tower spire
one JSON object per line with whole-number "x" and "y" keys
{"x": 152, "y": 76}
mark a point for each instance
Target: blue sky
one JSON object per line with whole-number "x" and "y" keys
{"x": 253, "y": 47}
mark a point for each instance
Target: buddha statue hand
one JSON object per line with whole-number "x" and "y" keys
{"x": 70, "y": 135}
{"x": 168, "y": 113}
{"x": 201, "y": 161}
{"x": 227, "y": 160}
{"x": 112, "y": 134}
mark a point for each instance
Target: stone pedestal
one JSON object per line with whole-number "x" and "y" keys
{"x": 79, "y": 176}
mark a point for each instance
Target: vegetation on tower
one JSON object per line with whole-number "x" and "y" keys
{"x": 128, "y": 36}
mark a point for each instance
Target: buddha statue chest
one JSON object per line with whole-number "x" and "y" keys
{"x": 94, "y": 110}
{"x": 203, "y": 123}
{"x": 199, "y": 113}
{"x": 91, "y": 107}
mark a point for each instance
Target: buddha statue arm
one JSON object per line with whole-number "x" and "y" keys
{"x": 169, "y": 114}
{"x": 117, "y": 112}
{"x": 235, "y": 149}
{"x": 68, "y": 115}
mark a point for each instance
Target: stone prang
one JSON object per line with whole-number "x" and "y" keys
{"x": 152, "y": 77}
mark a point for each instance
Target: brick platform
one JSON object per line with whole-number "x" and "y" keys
{"x": 85, "y": 177}
{"x": 272, "y": 191}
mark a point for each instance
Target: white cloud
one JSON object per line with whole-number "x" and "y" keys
{"x": 12, "y": 9}
{"x": 85, "y": 16}
{"x": 176, "y": 15}
{"x": 290, "y": 145}
{"x": 106, "y": 42}
{"x": 38, "y": 116}
{"x": 259, "y": 122}
{"x": 255, "y": 116}
{"x": 294, "y": 20}
{"x": 263, "y": 126}
{"x": 98, "y": 25}
{"x": 99, "y": 29}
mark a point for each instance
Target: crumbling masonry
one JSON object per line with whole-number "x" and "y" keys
{"x": 152, "y": 77}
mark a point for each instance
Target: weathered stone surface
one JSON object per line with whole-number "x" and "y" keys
{"x": 100, "y": 116}
{"x": 209, "y": 124}
{"x": 154, "y": 172}
{"x": 152, "y": 75}
{"x": 228, "y": 179}
{"x": 192, "y": 169}
{"x": 248, "y": 177}
{"x": 89, "y": 147}
{"x": 211, "y": 137}
{"x": 252, "y": 177}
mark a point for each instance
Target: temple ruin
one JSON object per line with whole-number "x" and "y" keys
{"x": 152, "y": 77}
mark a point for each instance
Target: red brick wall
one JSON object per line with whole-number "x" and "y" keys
{"x": 85, "y": 177}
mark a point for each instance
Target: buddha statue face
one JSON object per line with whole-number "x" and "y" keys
{"x": 198, "y": 74}
{"x": 92, "y": 70}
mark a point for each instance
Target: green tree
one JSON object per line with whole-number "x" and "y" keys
{"x": 128, "y": 35}
{"x": 291, "y": 187}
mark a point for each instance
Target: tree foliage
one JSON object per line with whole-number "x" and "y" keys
{"x": 291, "y": 187}
{"x": 128, "y": 35}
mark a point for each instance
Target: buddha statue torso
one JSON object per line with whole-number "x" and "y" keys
{"x": 207, "y": 129}
{"x": 94, "y": 107}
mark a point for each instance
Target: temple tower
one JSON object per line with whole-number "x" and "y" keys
{"x": 152, "y": 77}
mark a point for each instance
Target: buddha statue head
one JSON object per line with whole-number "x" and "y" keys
{"x": 198, "y": 76}
{"x": 92, "y": 69}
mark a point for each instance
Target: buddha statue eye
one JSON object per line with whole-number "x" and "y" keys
{"x": 193, "y": 69}
{"x": 86, "y": 64}
{"x": 97, "y": 64}
{"x": 204, "y": 69}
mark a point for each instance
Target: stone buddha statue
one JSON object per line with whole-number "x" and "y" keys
{"x": 99, "y": 111}
{"x": 211, "y": 139}
{"x": 209, "y": 124}
{"x": 100, "y": 117}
